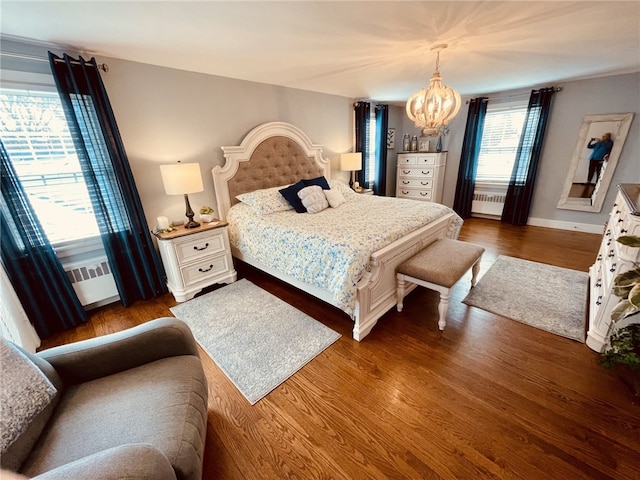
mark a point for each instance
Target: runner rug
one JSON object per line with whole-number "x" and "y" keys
{"x": 255, "y": 338}
{"x": 544, "y": 296}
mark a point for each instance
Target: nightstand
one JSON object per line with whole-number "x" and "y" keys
{"x": 195, "y": 258}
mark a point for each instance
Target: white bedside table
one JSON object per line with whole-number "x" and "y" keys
{"x": 195, "y": 258}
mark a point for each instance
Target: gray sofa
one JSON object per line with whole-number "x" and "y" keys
{"x": 132, "y": 405}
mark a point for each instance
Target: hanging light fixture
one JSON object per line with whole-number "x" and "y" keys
{"x": 432, "y": 108}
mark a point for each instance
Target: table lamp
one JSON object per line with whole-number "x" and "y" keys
{"x": 351, "y": 162}
{"x": 182, "y": 179}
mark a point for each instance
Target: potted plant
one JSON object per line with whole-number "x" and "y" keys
{"x": 206, "y": 214}
{"x": 623, "y": 350}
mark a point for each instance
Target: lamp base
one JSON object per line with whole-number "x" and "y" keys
{"x": 191, "y": 223}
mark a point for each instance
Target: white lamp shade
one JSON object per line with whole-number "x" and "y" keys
{"x": 181, "y": 178}
{"x": 351, "y": 161}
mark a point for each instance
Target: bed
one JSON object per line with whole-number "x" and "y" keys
{"x": 346, "y": 256}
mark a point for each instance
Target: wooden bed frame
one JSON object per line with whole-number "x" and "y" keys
{"x": 278, "y": 153}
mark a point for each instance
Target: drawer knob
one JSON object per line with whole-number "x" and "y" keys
{"x": 599, "y": 300}
{"x": 613, "y": 268}
{"x": 406, "y": 182}
{"x": 203, "y": 270}
{"x": 427, "y": 172}
{"x": 405, "y": 192}
{"x": 406, "y": 171}
{"x": 206, "y": 245}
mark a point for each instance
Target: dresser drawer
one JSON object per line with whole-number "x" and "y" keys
{"x": 204, "y": 268}
{"x": 420, "y": 172}
{"x": 199, "y": 245}
{"x": 427, "y": 159}
{"x": 415, "y": 194}
{"x": 407, "y": 159}
{"x": 407, "y": 182}
{"x": 417, "y": 158}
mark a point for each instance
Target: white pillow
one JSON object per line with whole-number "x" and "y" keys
{"x": 334, "y": 197}
{"x": 313, "y": 199}
{"x": 266, "y": 201}
{"x": 346, "y": 191}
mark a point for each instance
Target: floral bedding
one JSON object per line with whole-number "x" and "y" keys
{"x": 329, "y": 249}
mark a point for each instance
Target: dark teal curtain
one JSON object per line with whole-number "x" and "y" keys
{"x": 31, "y": 264}
{"x": 520, "y": 192}
{"x": 362, "y": 112}
{"x": 135, "y": 264}
{"x": 469, "y": 156}
{"x": 382, "y": 125}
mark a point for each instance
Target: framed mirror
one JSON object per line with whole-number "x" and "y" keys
{"x": 600, "y": 141}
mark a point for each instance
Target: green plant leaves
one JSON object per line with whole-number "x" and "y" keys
{"x": 629, "y": 240}
{"x": 622, "y": 310}
{"x": 624, "y": 348}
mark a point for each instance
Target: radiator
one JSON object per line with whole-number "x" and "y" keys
{"x": 488, "y": 203}
{"x": 92, "y": 280}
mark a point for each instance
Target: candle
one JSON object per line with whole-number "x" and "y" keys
{"x": 163, "y": 223}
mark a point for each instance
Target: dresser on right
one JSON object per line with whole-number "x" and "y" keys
{"x": 421, "y": 175}
{"x": 613, "y": 258}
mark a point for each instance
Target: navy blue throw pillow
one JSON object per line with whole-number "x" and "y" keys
{"x": 291, "y": 195}
{"x": 320, "y": 181}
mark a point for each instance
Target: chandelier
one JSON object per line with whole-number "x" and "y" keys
{"x": 432, "y": 108}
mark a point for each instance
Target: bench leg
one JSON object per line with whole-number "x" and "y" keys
{"x": 400, "y": 291}
{"x": 474, "y": 272}
{"x": 443, "y": 308}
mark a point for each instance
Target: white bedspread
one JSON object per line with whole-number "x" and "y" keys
{"x": 330, "y": 249}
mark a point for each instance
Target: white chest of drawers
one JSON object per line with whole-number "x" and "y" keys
{"x": 613, "y": 258}
{"x": 196, "y": 258}
{"x": 421, "y": 176}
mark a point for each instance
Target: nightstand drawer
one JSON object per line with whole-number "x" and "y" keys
{"x": 205, "y": 268}
{"x": 199, "y": 245}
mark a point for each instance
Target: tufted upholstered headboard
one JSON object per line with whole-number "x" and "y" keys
{"x": 271, "y": 155}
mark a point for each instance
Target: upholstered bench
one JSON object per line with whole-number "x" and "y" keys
{"x": 438, "y": 267}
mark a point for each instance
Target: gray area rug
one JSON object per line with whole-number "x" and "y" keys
{"x": 255, "y": 338}
{"x": 544, "y": 296}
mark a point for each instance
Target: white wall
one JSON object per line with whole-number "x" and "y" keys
{"x": 165, "y": 115}
{"x": 614, "y": 94}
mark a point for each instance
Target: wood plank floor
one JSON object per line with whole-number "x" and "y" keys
{"x": 487, "y": 398}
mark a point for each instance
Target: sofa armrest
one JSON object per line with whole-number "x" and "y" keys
{"x": 109, "y": 354}
{"x": 133, "y": 462}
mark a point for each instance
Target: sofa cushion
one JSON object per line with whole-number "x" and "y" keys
{"x": 130, "y": 462}
{"x": 162, "y": 403}
{"x": 25, "y": 396}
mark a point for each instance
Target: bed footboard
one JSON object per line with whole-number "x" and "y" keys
{"x": 377, "y": 287}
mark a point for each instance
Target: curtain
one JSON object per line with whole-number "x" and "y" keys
{"x": 469, "y": 156}
{"x": 362, "y": 118}
{"x": 382, "y": 125}
{"x": 520, "y": 191}
{"x": 30, "y": 262}
{"x": 135, "y": 263}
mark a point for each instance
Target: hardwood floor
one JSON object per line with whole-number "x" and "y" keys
{"x": 487, "y": 398}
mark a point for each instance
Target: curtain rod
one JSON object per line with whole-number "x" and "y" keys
{"x": 102, "y": 66}
{"x": 514, "y": 95}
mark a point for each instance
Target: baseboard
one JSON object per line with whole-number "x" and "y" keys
{"x": 562, "y": 225}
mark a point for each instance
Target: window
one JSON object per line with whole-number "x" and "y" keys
{"x": 500, "y": 138}
{"x": 371, "y": 151}
{"x": 34, "y": 131}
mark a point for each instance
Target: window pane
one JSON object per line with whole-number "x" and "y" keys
{"x": 35, "y": 134}
{"x": 500, "y": 139}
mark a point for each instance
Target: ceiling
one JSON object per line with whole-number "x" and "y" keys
{"x": 358, "y": 49}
